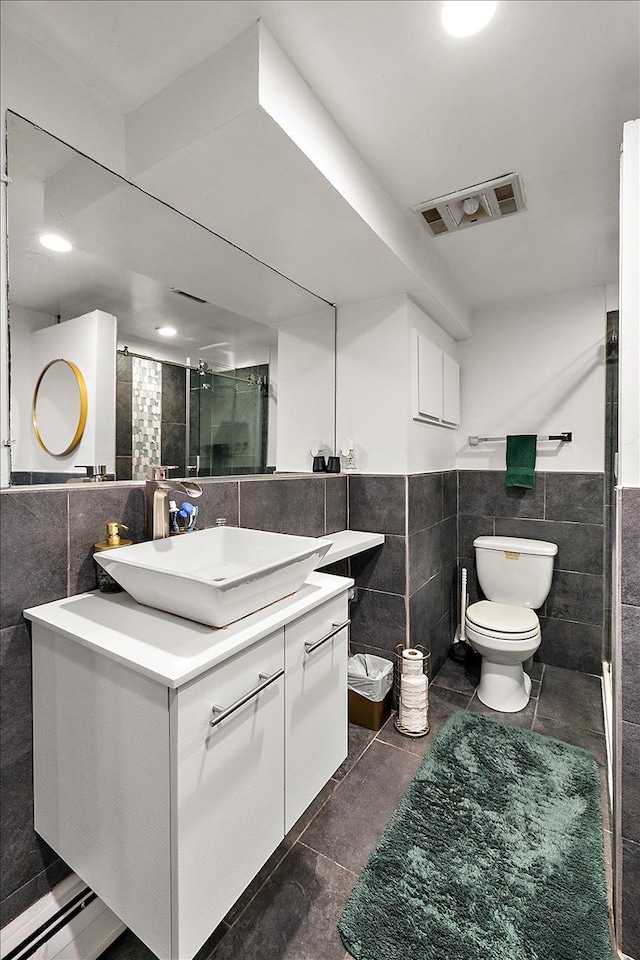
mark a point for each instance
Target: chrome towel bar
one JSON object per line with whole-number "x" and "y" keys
{"x": 563, "y": 437}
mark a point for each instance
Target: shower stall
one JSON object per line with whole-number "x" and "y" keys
{"x": 202, "y": 422}
{"x": 227, "y": 423}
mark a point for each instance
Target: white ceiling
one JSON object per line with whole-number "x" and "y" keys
{"x": 544, "y": 90}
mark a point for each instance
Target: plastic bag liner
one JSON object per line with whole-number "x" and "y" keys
{"x": 370, "y": 676}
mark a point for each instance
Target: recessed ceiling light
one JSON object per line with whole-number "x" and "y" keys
{"x": 53, "y": 242}
{"x": 463, "y": 18}
{"x": 167, "y": 331}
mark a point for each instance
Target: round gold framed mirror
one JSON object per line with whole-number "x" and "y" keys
{"x": 59, "y": 409}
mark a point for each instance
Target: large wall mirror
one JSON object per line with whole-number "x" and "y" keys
{"x": 194, "y": 354}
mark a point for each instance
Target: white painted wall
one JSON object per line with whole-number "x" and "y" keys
{"x": 536, "y": 367}
{"x": 89, "y": 342}
{"x": 629, "y": 395}
{"x": 23, "y": 324}
{"x": 374, "y": 388}
{"x": 371, "y": 383}
{"x": 305, "y": 388}
{"x": 272, "y": 408}
{"x": 612, "y": 297}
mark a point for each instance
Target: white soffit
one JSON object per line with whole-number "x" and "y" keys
{"x": 279, "y": 179}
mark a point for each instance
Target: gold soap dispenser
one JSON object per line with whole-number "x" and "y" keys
{"x": 106, "y": 583}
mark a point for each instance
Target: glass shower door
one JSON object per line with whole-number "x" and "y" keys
{"x": 228, "y": 422}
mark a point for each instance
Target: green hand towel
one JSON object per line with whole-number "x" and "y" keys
{"x": 521, "y": 461}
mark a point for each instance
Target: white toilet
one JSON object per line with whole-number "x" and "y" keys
{"x": 516, "y": 576}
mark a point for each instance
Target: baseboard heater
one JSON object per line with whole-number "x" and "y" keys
{"x": 69, "y": 923}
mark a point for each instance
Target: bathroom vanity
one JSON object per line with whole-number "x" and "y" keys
{"x": 171, "y": 758}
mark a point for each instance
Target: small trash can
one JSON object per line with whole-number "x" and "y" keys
{"x": 369, "y": 680}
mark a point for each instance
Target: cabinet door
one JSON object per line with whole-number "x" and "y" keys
{"x": 229, "y": 788}
{"x": 429, "y": 379}
{"x": 315, "y": 703}
{"x": 451, "y": 390}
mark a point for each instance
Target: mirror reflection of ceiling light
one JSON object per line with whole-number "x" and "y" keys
{"x": 463, "y": 18}
{"x": 53, "y": 242}
{"x": 167, "y": 331}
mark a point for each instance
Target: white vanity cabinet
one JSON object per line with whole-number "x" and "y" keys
{"x": 228, "y": 796}
{"x": 165, "y": 816}
{"x": 315, "y": 703}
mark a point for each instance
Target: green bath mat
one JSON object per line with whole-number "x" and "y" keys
{"x": 495, "y": 852}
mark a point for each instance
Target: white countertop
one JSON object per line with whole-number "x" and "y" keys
{"x": 118, "y": 627}
{"x": 346, "y": 543}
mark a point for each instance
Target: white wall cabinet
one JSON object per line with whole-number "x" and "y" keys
{"x": 437, "y": 384}
{"x": 167, "y": 818}
{"x": 450, "y": 391}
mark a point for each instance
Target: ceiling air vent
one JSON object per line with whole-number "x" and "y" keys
{"x": 478, "y": 204}
{"x": 189, "y": 296}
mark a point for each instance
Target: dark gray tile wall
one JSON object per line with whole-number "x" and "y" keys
{"x": 46, "y": 554}
{"x": 406, "y": 587}
{"x": 124, "y": 417}
{"x": 432, "y": 525}
{"x": 630, "y": 939}
{"x": 295, "y": 505}
{"x": 174, "y": 417}
{"x": 379, "y": 615}
{"x": 628, "y": 672}
{"x": 335, "y": 504}
{"x": 377, "y": 504}
{"x": 567, "y": 509}
{"x": 630, "y": 546}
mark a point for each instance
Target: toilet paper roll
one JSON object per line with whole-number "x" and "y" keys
{"x": 412, "y": 662}
{"x": 413, "y": 720}
{"x": 413, "y": 692}
{"x": 414, "y": 685}
{"x": 416, "y": 719}
{"x": 414, "y": 699}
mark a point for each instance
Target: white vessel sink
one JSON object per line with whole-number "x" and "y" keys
{"x": 214, "y": 576}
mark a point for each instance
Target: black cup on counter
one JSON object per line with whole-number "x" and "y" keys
{"x": 319, "y": 465}
{"x": 333, "y": 465}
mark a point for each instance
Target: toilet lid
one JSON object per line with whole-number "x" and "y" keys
{"x": 503, "y": 617}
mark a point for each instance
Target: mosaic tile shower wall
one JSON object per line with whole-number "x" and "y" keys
{"x": 146, "y": 403}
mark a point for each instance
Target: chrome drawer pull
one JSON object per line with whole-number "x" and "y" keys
{"x": 221, "y": 713}
{"x": 337, "y": 627}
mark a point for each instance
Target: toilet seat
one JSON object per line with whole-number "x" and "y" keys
{"x": 502, "y": 621}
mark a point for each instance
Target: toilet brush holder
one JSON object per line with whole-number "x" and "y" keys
{"x": 411, "y": 690}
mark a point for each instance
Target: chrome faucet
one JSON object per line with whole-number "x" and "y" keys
{"x": 157, "y": 495}
{"x": 95, "y": 473}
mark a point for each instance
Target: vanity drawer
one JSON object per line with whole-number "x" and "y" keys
{"x": 315, "y": 703}
{"x": 229, "y": 785}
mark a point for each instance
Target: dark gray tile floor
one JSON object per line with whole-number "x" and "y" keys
{"x": 290, "y": 910}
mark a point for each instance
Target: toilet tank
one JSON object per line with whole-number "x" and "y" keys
{"x": 513, "y": 570}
